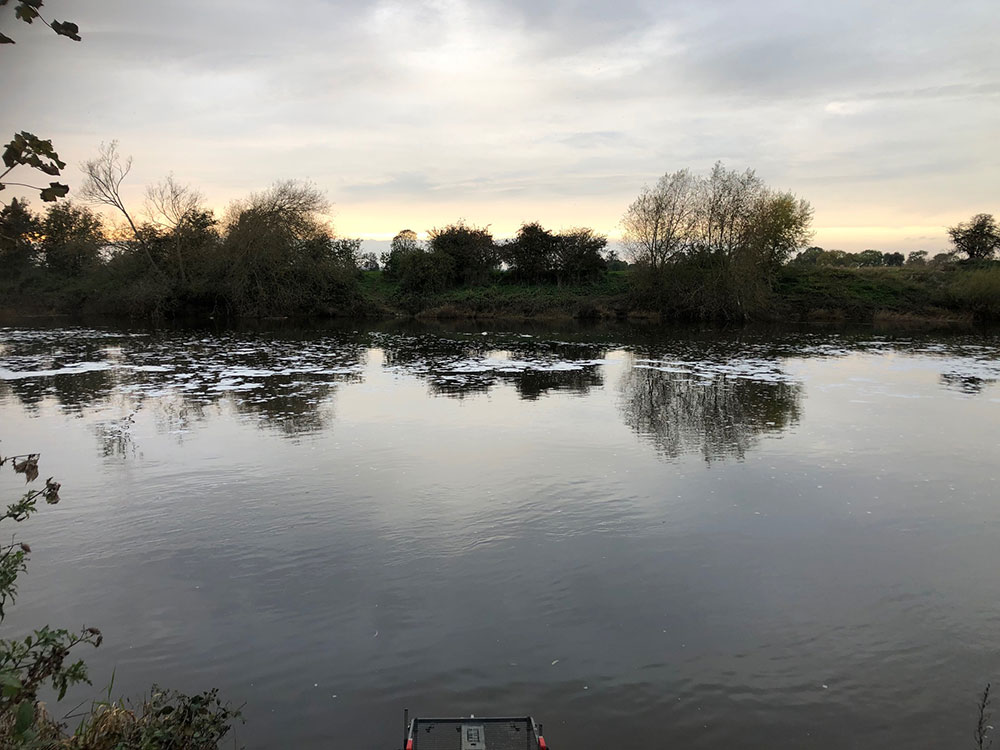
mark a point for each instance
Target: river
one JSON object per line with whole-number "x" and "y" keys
{"x": 643, "y": 537}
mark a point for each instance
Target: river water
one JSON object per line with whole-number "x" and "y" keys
{"x": 645, "y": 538}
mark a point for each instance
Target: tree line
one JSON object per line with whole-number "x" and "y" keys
{"x": 702, "y": 247}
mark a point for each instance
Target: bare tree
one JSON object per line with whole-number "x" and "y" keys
{"x": 104, "y": 175}
{"x": 659, "y": 222}
{"x": 174, "y": 207}
{"x": 169, "y": 204}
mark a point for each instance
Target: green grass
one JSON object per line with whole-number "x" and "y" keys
{"x": 862, "y": 292}
{"x": 503, "y": 299}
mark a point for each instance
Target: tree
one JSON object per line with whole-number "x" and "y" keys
{"x": 868, "y": 258}
{"x": 19, "y": 237}
{"x": 917, "y": 258}
{"x": 712, "y": 246}
{"x": 279, "y": 255}
{"x": 811, "y": 256}
{"x": 531, "y": 254}
{"x": 893, "y": 259}
{"x": 978, "y": 238}
{"x": 659, "y": 223}
{"x": 72, "y": 239}
{"x": 470, "y": 250}
{"x": 578, "y": 255}
{"x": 780, "y": 227}
{"x": 403, "y": 244}
{"x": 104, "y": 175}
{"x": 27, "y": 149}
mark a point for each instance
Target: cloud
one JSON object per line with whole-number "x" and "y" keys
{"x": 866, "y": 109}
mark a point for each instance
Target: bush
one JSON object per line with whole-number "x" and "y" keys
{"x": 978, "y": 291}
{"x": 165, "y": 720}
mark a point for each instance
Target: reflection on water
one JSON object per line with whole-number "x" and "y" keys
{"x": 711, "y": 395}
{"x": 716, "y": 414}
{"x": 644, "y": 537}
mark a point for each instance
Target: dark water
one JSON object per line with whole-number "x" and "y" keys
{"x": 644, "y": 539}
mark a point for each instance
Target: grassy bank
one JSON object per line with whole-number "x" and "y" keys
{"x": 955, "y": 294}
{"x": 949, "y": 295}
{"x": 607, "y": 298}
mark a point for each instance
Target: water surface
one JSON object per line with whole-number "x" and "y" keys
{"x": 644, "y": 537}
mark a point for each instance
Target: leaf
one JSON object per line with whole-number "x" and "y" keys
{"x": 25, "y": 717}
{"x": 67, "y": 28}
{"x": 54, "y": 191}
{"x": 29, "y": 466}
{"x": 26, "y": 13}
{"x": 5, "y": 39}
{"x": 9, "y": 679}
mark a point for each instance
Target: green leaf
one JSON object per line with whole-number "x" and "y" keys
{"x": 25, "y": 717}
{"x": 54, "y": 191}
{"x": 9, "y": 679}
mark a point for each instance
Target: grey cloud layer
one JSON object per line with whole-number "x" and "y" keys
{"x": 451, "y": 99}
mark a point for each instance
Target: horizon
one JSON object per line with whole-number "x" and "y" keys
{"x": 503, "y": 113}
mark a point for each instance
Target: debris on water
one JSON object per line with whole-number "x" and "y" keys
{"x": 554, "y": 662}
{"x": 825, "y": 687}
{"x": 376, "y": 634}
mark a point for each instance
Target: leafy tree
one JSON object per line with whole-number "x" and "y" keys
{"x": 942, "y": 259}
{"x": 280, "y": 257}
{"x": 19, "y": 237}
{"x": 893, "y": 259}
{"x": 978, "y": 238}
{"x": 917, "y": 258}
{"x": 578, "y": 255}
{"x": 530, "y": 256}
{"x": 422, "y": 274}
{"x": 403, "y": 244}
{"x": 868, "y": 258}
{"x": 72, "y": 239}
{"x": 809, "y": 257}
{"x": 470, "y": 250}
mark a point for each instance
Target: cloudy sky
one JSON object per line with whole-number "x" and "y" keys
{"x": 884, "y": 115}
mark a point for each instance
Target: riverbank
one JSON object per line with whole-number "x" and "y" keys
{"x": 954, "y": 295}
{"x": 903, "y": 296}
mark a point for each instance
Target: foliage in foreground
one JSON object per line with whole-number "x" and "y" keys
{"x": 42, "y": 659}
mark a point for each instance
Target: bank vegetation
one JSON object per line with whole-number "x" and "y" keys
{"x": 724, "y": 247}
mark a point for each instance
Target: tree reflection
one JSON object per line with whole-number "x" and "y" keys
{"x": 459, "y": 368}
{"x": 970, "y": 384}
{"x": 286, "y": 384}
{"x": 716, "y": 415}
